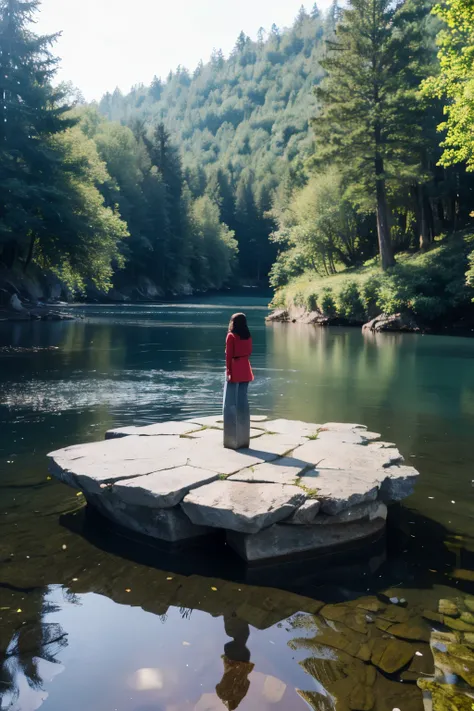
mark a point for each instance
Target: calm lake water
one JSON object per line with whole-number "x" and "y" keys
{"x": 91, "y": 621}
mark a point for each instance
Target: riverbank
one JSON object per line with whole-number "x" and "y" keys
{"x": 422, "y": 293}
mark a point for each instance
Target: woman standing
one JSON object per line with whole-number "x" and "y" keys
{"x": 238, "y": 349}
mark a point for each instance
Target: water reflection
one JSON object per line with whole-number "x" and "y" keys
{"x": 29, "y": 655}
{"x": 144, "y": 630}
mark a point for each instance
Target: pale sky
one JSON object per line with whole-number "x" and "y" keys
{"x": 109, "y": 43}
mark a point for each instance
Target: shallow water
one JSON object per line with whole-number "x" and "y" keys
{"x": 106, "y": 624}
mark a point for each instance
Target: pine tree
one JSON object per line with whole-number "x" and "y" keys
{"x": 51, "y": 210}
{"x": 165, "y": 159}
{"x": 31, "y": 113}
{"x": 302, "y": 16}
{"x": 369, "y": 123}
{"x": 241, "y": 43}
{"x": 156, "y": 88}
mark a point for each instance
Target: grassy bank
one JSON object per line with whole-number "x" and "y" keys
{"x": 431, "y": 286}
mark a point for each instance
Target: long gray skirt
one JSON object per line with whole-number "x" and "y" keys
{"x": 236, "y": 416}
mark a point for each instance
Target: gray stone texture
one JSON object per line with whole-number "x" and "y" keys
{"x": 169, "y": 525}
{"x": 163, "y": 489}
{"x": 292, "y": 427}
{"x": 298, "y": 487}
{"x": 238, "y": 506}
{"x": 161, "y": 428}
{"x": 281, "y": 471}
{"x": 306, "y": 514}
{"x": 283, "y": 540}
{"x": 339, "y": 489}
{"x": 346, "y": 456}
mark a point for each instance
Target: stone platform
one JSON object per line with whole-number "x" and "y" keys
{"x": 300, "y": 488}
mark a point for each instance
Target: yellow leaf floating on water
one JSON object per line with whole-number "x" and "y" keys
{"x": 19, "y": 610}
{"x": 169, "y": 578}
{"x": 79, "y": 493}
{"x": 48, "y": 478}
{"x": 128, "y": 590}
{"x": 215, "y": 589}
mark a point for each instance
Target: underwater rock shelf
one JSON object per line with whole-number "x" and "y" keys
{"x": 299, "y": 489}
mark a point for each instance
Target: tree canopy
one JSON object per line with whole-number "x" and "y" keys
{"x": 313, "y": 148}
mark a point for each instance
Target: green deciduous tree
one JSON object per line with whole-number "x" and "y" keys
{"x": 454, "y": 83}
{"x": 321, "y": 225}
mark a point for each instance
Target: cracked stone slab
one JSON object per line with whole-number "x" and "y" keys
{"x": 204, "y": 455}
{"x": 399, "y": 483}
{"x": 328, "y": 455}
{"x": 276, "y": 444}
{"x": 160, "y": 428}
{"x": 170, "y": 525}
{"x": 354, "y": 436}
{"x": 339, "y": 489}
{"x": 216, "y": 435}
{"x": 132, "y": 447}
{"x": 306, "y": 514}
{"x": 281, "y": 471}
{"x": 284, "y": 540}
{"x": 362, "y": 512}
{"x": 163, "y": 489}
{"x": 130, "y": 478}
{"x": 238, "y": 506}
{"x": 342, "y": 426}
{"x": 88, "y": 466}
{"x": 292, "y": 427}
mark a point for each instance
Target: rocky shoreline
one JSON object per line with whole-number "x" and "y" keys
{"x": 18, "y": 310}
{"x": 382, "y": 323}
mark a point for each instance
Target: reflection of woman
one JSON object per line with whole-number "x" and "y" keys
{"x": 238, "y": 376}
{"x": 233, "y": 687}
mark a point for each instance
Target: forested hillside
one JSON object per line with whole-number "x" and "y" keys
{"x": 305, "y": 154}
{"x": 242, "y": 125}
{"x": 168, "y": 189}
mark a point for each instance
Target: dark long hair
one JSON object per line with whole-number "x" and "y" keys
{"x": 238, "y": 325}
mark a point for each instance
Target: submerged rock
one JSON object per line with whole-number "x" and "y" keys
{"x": 448, "y": 607}
{"x": 446, "y": 697}
{"x": 391, "y": 655}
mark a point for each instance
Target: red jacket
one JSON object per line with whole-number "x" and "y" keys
{"x": 237, "y": 353}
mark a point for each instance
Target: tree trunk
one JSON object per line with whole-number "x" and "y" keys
{"x": 422, "y": 218}
{"x": 9, "y": 254}
{"x": 31, "y": 250}
{"x": 387, "y": 259}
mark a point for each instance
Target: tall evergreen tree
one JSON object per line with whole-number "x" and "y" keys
{"x": 50, "y": 208}
{"x": 31, "y": 113}
{"x": 369, "y": 118}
